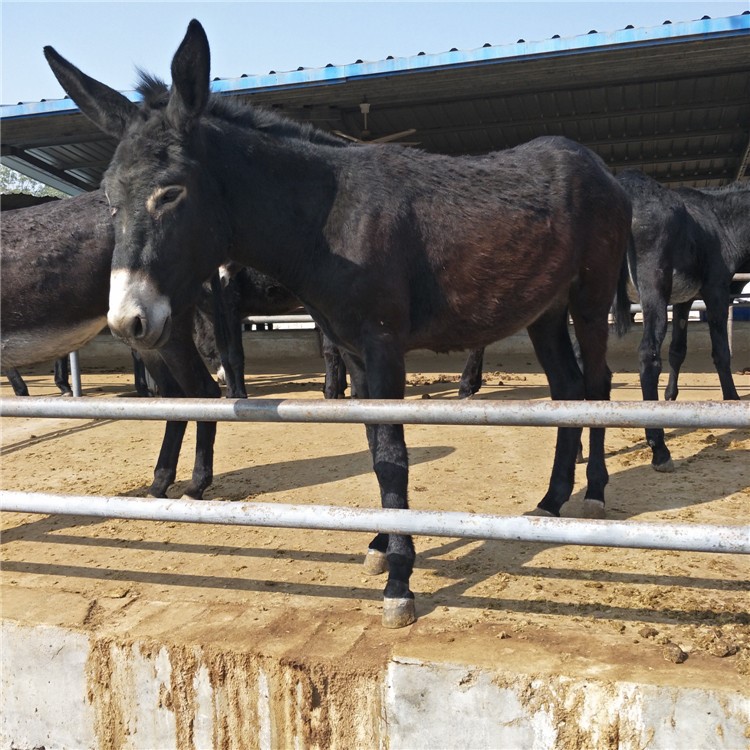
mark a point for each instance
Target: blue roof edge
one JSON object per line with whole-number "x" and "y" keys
{"x": 586, "y": 43}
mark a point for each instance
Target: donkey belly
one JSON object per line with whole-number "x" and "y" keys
{"x": 684, "y": 288}
{"x": 458, "y": 333}
{"x": 42, "y": 344}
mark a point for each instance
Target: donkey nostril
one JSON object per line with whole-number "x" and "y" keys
{"x": 138, "y": 328}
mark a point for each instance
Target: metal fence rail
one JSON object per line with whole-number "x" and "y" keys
{"x": 713, "y": 414}
{"x": 702, "y": 538}
{"x": 693, "y": 537}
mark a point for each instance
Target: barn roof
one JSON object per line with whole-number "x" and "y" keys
{"x": 672, "y": 100}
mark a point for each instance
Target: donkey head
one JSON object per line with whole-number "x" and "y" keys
{"x": 160, "y": 192}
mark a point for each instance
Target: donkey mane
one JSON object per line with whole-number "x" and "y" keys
{"x": 736, "y": 187}
{"x": 155, "y": 95}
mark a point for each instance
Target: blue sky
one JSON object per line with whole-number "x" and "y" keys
{"x": 108, "y": 40}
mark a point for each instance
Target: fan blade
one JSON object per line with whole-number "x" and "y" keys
{"x": 394, "y": 136}
{"x": 348, "y": 137}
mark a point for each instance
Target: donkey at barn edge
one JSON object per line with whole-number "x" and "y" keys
{"x": 61, "y": 366}
{"x": 55, "y": 265}
{"x": 389, "y": 249}
{"x": 687, "y": 243}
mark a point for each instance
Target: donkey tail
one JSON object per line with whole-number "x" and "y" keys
{"x": 621, "y": 304}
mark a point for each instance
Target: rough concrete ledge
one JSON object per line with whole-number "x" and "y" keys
{"x": 463, "y": 706}
{"x": 65, "y": 689}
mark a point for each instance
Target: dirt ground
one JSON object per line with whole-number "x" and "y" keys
{"x": 658, "y": 615}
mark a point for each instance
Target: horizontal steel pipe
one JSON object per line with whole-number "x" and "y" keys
{"x": 711, "y": 414}
{"x": 278, "y": 319}
{"x": 699, "y": 306}
{"x": 638, "y": 534}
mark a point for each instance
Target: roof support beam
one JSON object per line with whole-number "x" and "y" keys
{"x": 743, "y": 172}
{"x": 36, "y": 169}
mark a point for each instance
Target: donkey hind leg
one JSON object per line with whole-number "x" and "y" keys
{"x": 554, "y": 350}
{"x": 62, "y": 376}
{"x": 17, "y": 382}
{"x": 384, "y": 377}
{"x": 471, "y": 377}
{"x": 649, "y": 354}
{"x": 677, "y": 347}
{"x": 591, "y": 334}
{"x": 716, "y": 298}
{"x": 335, "y": 378}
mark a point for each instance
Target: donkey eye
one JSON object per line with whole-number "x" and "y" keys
{"x": 164, "y": 198}
{"x": 170, "y": 195}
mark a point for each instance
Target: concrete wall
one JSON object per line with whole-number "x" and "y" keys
{"x": 63, "y": 689}
{"x": 106, "y": 351}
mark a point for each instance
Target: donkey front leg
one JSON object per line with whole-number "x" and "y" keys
{"x": 390, "y": 463}
{"x": 471, "y": 377}
{"x": 716, "y": 299}
{"x": 185, "y": 364}
{"x": 384, "y": 378}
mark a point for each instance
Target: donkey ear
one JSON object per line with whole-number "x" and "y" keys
{"x": 107, "y": 108}
{"x": 191, "y": 68}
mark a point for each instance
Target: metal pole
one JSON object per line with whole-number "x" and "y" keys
{"x": 75, "y": 373}
{"x": 278, "y": 319}
{"x": 638, "y": 534}
{"x": 713, "y": 414}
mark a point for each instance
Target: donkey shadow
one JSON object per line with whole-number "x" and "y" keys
{"x": 295, "y": 474}
{"x": 626, "y": 500}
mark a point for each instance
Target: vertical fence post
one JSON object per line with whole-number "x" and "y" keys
{"x": 75, "y": 373}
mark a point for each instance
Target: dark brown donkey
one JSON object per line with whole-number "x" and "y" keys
{"x": 389, "y": 249}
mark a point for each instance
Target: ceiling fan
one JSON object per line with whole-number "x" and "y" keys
{"x": 364, "y": 108}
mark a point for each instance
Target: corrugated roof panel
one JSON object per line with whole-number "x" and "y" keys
{"x": 637, "y": 97}
{"x": 582, "y": 44}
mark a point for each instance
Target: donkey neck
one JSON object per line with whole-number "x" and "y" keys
{"x": 278, "y": 193}
{"x": 731, "y": 207}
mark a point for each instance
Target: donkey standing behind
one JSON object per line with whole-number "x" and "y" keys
{"x": 687, "y": 243}
{"x": 239, "y": 292}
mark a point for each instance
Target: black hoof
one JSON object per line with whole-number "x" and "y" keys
{"x": 666, "y": 467}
